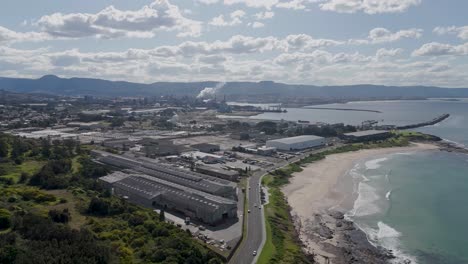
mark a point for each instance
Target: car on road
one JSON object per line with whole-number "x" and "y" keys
{"x": 248, "y": 211}
{"x": 255, "y": 253}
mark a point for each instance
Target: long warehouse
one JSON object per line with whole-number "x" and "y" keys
{"x": 296, "y": 143}
{"x": 157, "y": 193}
{"x": 197, "y": 181}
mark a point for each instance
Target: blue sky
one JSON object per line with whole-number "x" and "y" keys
{"x": 322, "y": 42}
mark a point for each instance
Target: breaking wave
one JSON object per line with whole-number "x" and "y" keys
{"x": 388, "y": 237}
{"x": 374, "y": 164}
{"x": 387, "y": 196}
{"x": 365, "y": 203}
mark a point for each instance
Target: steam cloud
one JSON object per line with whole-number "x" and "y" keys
{"x": 210, "y": 92}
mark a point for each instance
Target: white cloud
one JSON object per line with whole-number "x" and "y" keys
{"x": 319, "y": 57}
{"x": 293, "y": 4}
{"x": 10, "y": 36}
{"x": 208, "y": 2}
{"x": 369, "y": 6}
{"x": 264, "y": 15}
{"x": 112, "y": 23}
{"x": 387, "y": 53}
{"x": 240, "y": 44}
{"x": 440, "y": 49}
{"x": 201, "y": 61}
{"x": 257, "y": 24}
{"x": 380, "y": 35}
{"x": 212, "y": 59}
{"x": 461, "y": 32}
{"x": 269, "y": 4}
{"x": 236, "y": 19}
{"x": 383, "y": 35}
{"x": 307, "y": 42}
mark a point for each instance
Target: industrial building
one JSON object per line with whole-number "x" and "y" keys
{"x": 296, "y": 143}
{"x": 158, "y": 193}
{"x": 157, "y": 147}
{"x": 121, "y": 143}
{"x": 205, "y": 183}
{"x": 206, "y": 147}
{"x": 85, "y": 125}
{"x": 367, "y": 135}
{"x": 266, "y": 151}
{"x": 230, "y": 175}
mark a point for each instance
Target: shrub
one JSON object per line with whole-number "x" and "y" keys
{"x": 5, "y": 219}
{"x": 60, "y": 217}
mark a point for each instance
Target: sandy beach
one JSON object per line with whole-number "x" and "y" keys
{"x": 322, "y": 187}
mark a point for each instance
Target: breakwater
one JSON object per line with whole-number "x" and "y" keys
{"x": 428, "y": 123}
{"x": 343, "y": 109}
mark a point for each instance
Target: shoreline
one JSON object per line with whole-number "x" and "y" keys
{"x": 321, "y": 195}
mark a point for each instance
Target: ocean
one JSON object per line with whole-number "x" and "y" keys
{"x": 415, "y": 204}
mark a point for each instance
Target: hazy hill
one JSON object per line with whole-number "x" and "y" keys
{"x": 51, "y": 84}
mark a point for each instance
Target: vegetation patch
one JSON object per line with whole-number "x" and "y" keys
{"x": 282, "y": 244}
{"x": 53, "y": 210}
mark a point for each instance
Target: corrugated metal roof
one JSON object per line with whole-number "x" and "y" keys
{"x": 298, "y": 139}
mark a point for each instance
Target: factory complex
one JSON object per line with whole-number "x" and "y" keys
{"x": 143, "y": 181}
{"x": 155, "y": 192}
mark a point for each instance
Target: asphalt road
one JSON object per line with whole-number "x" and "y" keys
{"x": 253, "y": 239}
{"x": 255, "y": 221}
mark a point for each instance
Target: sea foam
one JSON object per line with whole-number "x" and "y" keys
{"x": 365, "y": 203}
{"x": 374, "y": 164}
{"x": 388, "y": 238}
{"x": 387, "y": 196}
{"x": 386, "y": 231}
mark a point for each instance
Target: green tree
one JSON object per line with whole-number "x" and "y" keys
{"x": 24, "y": 177}
{"x": 3, "y": 148}
{"x": 45, "y": 150}
{"x": 8, "y": 250}
{"x": 162, "y": 216}
{"x": 98, "y": 207}
{"x": 5, "y": 219}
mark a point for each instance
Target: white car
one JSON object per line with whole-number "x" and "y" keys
{"x": 248, "y": 211}
{"x": 255, "y": 253}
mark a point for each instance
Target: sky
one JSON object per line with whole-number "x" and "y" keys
{"x": 318, "y": 42}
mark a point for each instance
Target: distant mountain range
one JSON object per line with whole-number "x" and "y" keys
{"x": 54, "y": 85}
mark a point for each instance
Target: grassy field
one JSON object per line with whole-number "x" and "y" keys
{"x": 14, "y": 171}
{"x": 76, "y": 164}
{"x": 67, "y": 200}
{"x": 282, "y": 244}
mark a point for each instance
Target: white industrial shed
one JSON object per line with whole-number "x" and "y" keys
{"x": 296, "y": 143}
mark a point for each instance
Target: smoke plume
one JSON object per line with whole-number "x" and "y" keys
{"x": 210, "y": 92}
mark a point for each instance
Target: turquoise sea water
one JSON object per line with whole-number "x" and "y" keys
{"x": 415, "y": 204}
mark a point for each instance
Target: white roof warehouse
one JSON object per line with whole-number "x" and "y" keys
{"x": 296, "y": 143}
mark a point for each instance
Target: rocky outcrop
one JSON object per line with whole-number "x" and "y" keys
{"x": 340, "y": 238}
